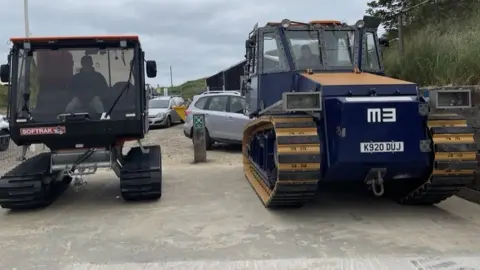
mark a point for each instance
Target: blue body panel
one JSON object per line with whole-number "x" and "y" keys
{"x": 277, "y": 84}
{"x": 346, "y": 127}
{"x": 273, "y": 85}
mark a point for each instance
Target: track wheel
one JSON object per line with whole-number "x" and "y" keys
{"x": 282, "y": 157}
{"x": 141, "y": 174}
{"x": 29, "y": 185}
{"x": 454, "y": 162}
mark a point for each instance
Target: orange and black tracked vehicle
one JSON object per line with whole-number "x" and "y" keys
{"x": 82, "y": 97}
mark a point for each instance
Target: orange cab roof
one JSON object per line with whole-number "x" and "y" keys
{"x": 324, "y": 22}
{"x": 40, "y": 39}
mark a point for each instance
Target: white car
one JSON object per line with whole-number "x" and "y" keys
{"x": 161, "y": 112}
{"x": 224, "y": 117}
{"x": 236, "y": 92}
{"x": 4, "y": 134}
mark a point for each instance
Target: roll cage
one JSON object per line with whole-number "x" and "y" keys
{"x": 366, "y": 46}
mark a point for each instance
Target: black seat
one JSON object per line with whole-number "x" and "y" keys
{"x": 126, "y": 102}
{"x": 54, "y": 73}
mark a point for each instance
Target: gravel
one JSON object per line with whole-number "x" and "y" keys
{"x": 177, "y": 150}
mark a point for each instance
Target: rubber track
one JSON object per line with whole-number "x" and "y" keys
{"x": 297, "y": 160}
{"x": 141, "y": 174}
{"x": 23, "y": 187}
{"x": 454, "y": 163}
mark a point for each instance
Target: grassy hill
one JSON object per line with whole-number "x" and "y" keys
{"x": 187, "y": 89}
{"x": 439, "y": 53}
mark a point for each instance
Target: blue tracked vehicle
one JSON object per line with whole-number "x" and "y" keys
{"x": 325, "y": 112}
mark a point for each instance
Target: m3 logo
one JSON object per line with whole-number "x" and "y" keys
{"x": 383, "y": 115}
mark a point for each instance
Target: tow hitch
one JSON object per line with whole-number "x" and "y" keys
{"x": 374, "y": 179}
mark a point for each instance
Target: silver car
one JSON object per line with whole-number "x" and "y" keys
{"x": 224, "y": 117}
{"x": 161, "y": 113}
{"x": 4, "y": 134}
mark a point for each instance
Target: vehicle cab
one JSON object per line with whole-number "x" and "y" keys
{"x": 88, "y": 89}
{"x": 278, "y": 54}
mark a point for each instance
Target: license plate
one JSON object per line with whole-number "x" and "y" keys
{"x": 381, "y": 147}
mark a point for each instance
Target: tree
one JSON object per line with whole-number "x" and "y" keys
{"x": 387, "y": 10}
{"x": 420, "y": 12}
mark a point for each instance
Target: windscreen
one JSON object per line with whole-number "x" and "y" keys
{"x": 75, "y": 81}
{"x": 308, "y": 51}
{"x": 158, "y": 103}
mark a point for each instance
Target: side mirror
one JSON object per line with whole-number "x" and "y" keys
{"x": 372, "y": 22}
{"x": 384, "y": 42}
{"x": 249, "y": 44}
{"x": 26, "y": 97}
{"x": 151, "y": 69}
{"x": 242, "y": 111}
{"x": 5, "y": 73}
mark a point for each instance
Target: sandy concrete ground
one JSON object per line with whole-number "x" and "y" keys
{"x": 210, "y": 218}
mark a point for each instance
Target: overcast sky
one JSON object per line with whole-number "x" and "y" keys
{"x": 197, "y": 37}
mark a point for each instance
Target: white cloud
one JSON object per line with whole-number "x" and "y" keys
{"x": 197, "y": 37}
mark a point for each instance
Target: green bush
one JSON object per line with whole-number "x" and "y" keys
{"x": 439, "y": 54}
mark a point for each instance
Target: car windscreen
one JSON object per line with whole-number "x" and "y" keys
{"x": 74, "y": 80}
{"x": 158, "y": 103}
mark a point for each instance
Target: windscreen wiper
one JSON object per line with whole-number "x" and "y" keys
{"x": 25, "y": 111}
{"x": 73, "y": 117}
{"x": 127, "y": 86}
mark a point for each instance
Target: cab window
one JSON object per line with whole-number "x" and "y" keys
{"x": 371, "y": 61}
{"x": 274, "y": 59}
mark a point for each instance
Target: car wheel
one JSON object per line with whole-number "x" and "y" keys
{"x": 208, "y": 140}
{"x": 4, "y": 141}
{"x": 169, "y": 122}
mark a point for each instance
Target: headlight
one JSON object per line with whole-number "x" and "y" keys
{"x": 286, "y": 23}
{"x": 302, "y": 101}
{"x": 360, "y": 24}
{"x": 160, "y": 115}
{"x": 452, "y": 99}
